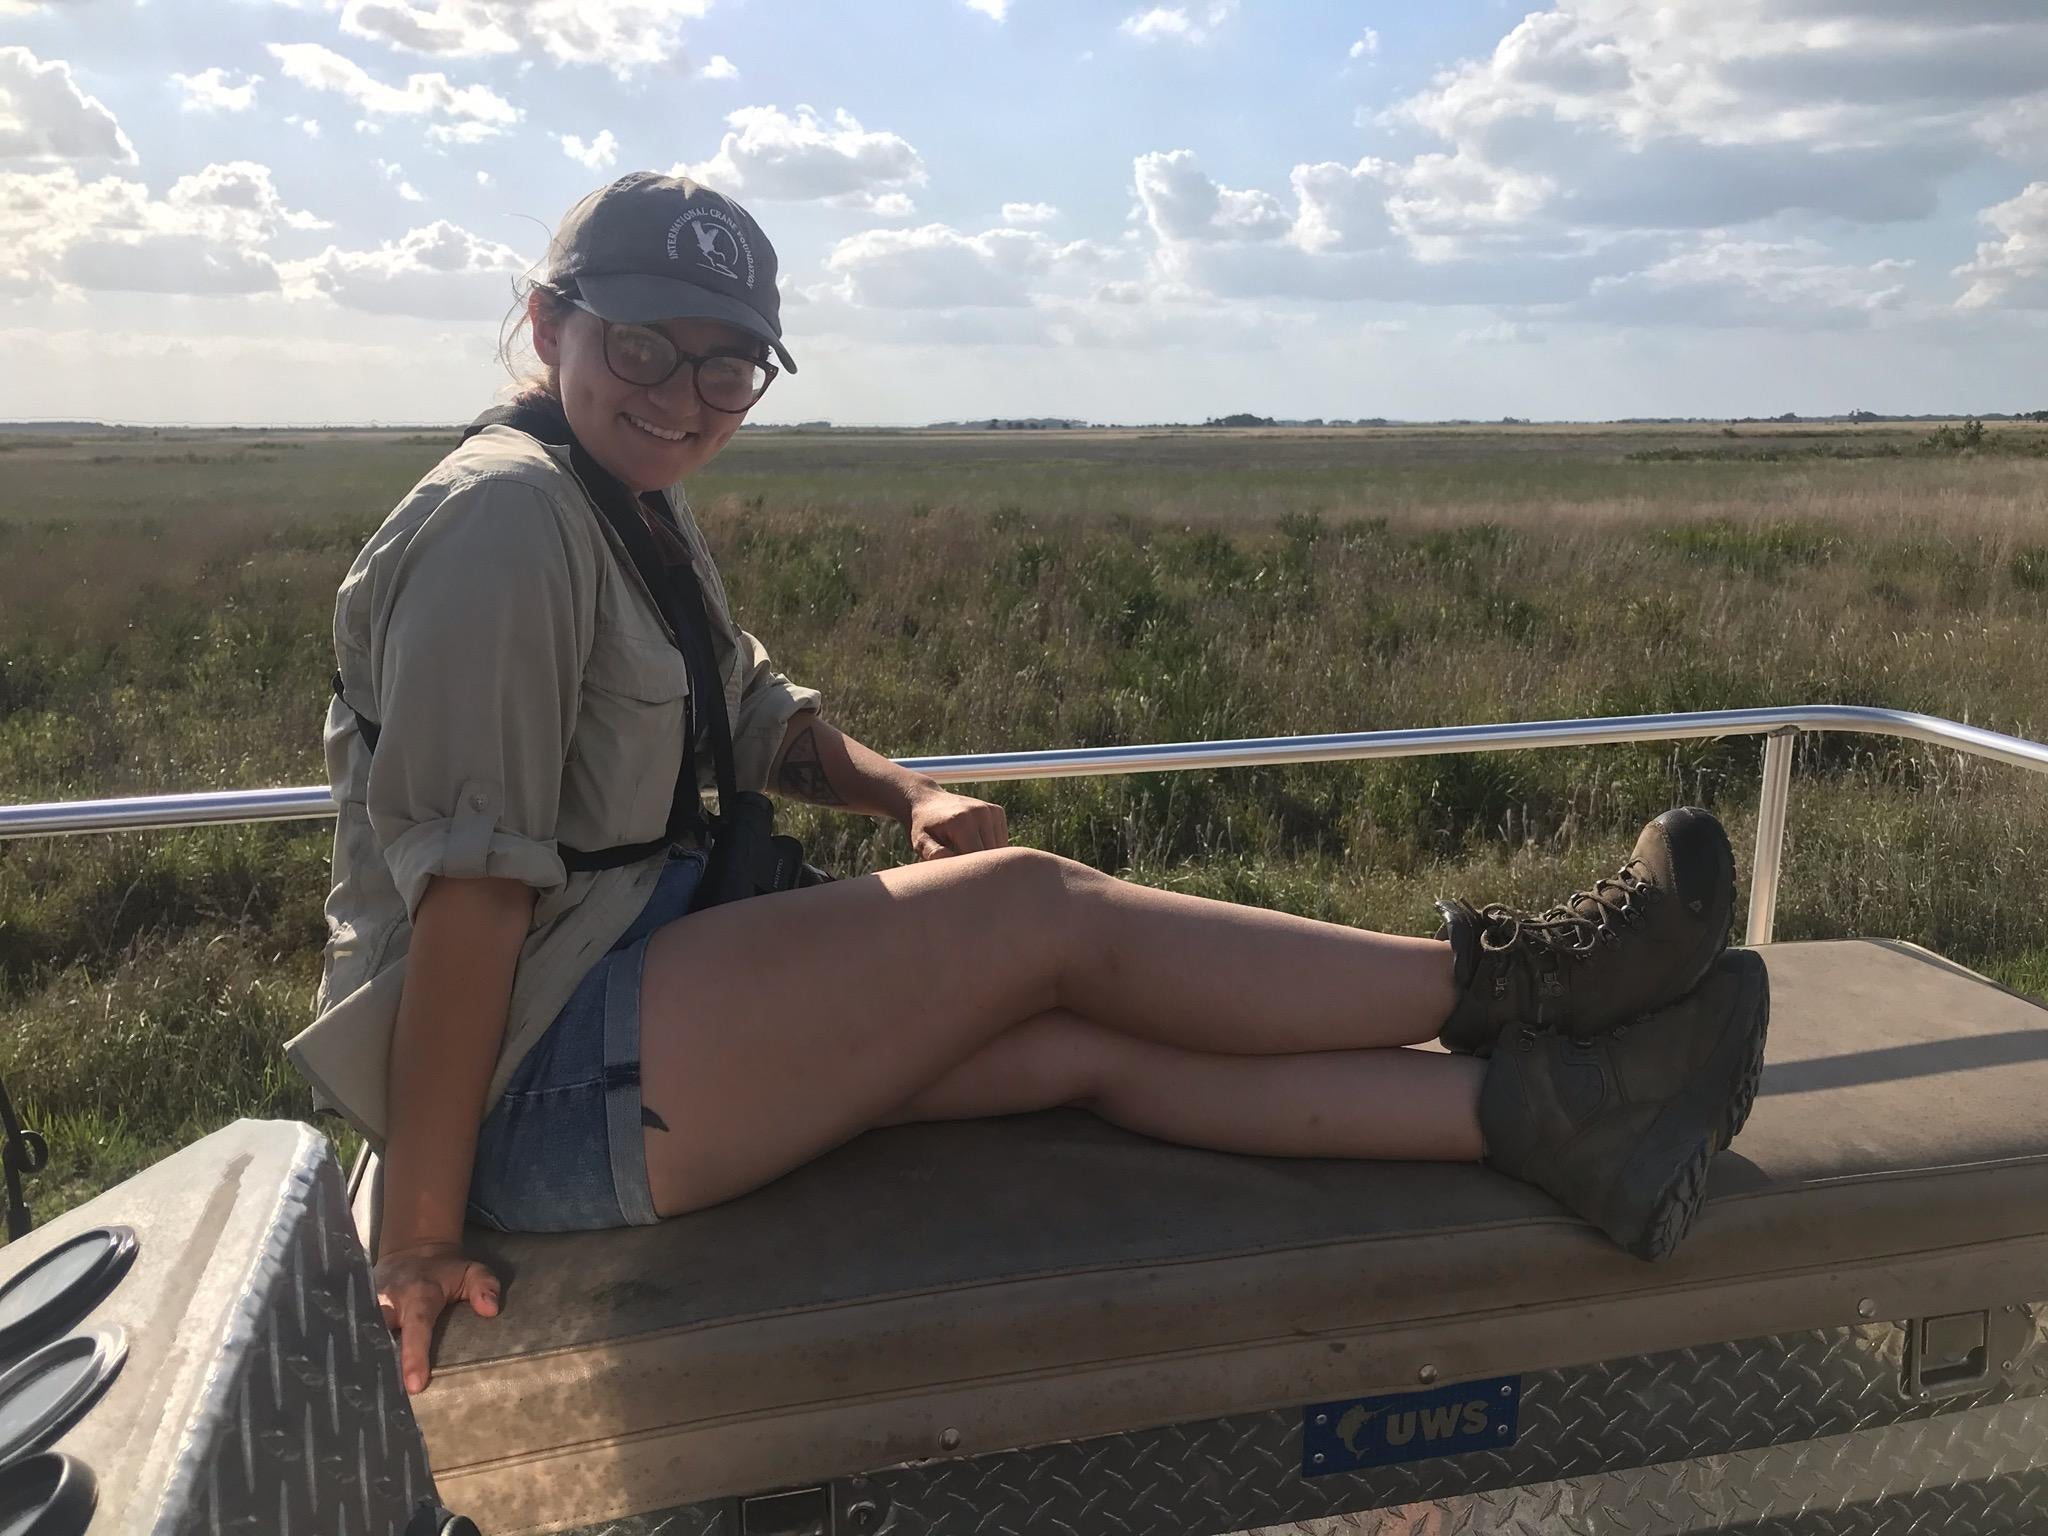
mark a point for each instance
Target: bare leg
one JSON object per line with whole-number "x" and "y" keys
{"x": 1370, "y": 1103}
{"x": 775, "y": 1029}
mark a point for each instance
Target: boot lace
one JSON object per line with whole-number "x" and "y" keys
{"x": 1573, "y": 929}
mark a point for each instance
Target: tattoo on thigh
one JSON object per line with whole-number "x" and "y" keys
{"x": 803, "y": 772}
{"x": 651, "y": 1120}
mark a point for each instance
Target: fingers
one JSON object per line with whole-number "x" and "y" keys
{"x": 417, "y": 1295}
{"x": 959, "y": 826}
{"x": 989, "y": 827}
{"x": 481, "y": 1287}
{"x": 961, "y": 836}
{"x": 963, "y": 826}
{"x": 415, "y": 1334}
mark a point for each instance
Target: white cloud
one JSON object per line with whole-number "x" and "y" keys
{"x": 625, "y": 36}
{"x": 470, "y": 111}
{"x": 209, "y": 91}
{"x": 309, "y": 126}
{"x": 1338, "y": 241}
{"x": 938, "y": 267}
{"x": 719, "y": 68}
{"x": 1663, "y": 114}
{"x": 209, "y": 234}
{"x": 441, "y": 270}
{"x": 483, "y": 178}
{"x": 1342, "y": 207}
{"x": 44, "y": 116}
{"x": 160, "y": 263}
{"x": 2019, "y": 130}
{"x": 1367, "y": 46}
{"x": 596, "y": 155}
{"x": 395, "y": 174}
{"x": 994, "y": 10}
{"x": 1029, "y": 215}
{"x": 1608, "y": 154}
{"x": 1180, "y": 202}
{"x": 774, "y": 155}
{"x": 237, "y": 199}
{"x": 1502, "y": 333}
{"x": 2014, "y": 270}
{"x": 470, "y": 132}
{"x": 1179, "y": 23}
{"x": 456, "y": 30}
{"x": 1722, "y": 282}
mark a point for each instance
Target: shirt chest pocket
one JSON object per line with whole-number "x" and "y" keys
{"x": 627, "y": 748}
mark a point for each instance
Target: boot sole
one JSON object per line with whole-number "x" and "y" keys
{"x": 1752, "y": 1080}
{"x": 1658, "y": 1198}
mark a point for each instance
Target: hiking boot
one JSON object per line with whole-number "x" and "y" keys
{"x": 1640, "y": 938}
{"x": 1620, "y": 1129}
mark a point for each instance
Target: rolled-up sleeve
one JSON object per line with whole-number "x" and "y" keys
{"x": 478, "y": 641}
{"x": 768, "y": 702}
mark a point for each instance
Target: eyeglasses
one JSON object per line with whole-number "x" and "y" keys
{"x": 729, "y": 381}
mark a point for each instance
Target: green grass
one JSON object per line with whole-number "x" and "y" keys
{"x": 166, "y": 608}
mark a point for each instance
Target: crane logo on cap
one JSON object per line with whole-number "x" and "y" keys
{"x": 720, "y": 245}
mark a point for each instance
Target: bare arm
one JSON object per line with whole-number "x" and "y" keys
{"x": 823, "y": 765}
{"x": 451, "y": 1023}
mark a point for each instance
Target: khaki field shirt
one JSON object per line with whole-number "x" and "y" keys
{"x": 527, "y": 694}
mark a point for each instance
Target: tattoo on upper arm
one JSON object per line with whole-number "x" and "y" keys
{"x": 803, "y": 772}
{"x": 651, "y": 1120}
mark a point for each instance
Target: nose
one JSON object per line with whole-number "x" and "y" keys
{"x": 676, "y": 399}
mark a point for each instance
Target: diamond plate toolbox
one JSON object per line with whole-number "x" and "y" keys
{"x": 1809, "y": 1432}
{"x": 259, "y": 1392}
{"x": 306, "y": 1430}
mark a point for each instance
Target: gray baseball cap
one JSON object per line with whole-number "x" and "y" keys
{"x": 652, "y": 247}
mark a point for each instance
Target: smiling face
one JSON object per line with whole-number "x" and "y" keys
{"x": 649, "y": 437}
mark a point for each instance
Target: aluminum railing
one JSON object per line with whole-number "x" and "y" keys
{"x": 1777, "y": 726}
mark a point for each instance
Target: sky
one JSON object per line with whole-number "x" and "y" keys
{"x": 315, "y": 211}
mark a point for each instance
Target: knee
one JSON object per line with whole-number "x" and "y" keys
{"x": 1045, "y": 880}
{"x": 1079, "y": 1062}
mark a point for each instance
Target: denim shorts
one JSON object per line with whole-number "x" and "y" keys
{"x": 563, "y": 1149}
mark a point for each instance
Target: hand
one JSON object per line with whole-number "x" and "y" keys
{"x": 942, "y": 824}
{"x": 416, "y": 1285}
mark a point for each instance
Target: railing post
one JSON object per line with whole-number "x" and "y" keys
{"x": 1770, "y": 836}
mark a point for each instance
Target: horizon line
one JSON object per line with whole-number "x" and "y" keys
{"x": 1068, "y": 423}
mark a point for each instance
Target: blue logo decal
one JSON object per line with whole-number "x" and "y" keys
{"x": 1409, "y": 1426}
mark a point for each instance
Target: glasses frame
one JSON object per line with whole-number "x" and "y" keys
{"x": 694, "y": 361}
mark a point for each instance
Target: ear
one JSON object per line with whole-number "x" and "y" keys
{"x": 545, "y": 318}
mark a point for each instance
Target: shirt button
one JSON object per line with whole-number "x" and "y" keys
{"x": 477, "y": 802}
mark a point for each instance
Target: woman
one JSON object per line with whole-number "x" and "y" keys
{"x": 570, "y": 1049}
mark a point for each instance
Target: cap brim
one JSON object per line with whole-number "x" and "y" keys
{"x": 639, "y": 297}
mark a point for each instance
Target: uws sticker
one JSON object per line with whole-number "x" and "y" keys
{"x": 710, "y": 237}
{"x": 1409, "y": 1426}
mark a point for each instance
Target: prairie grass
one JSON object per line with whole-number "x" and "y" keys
{"x": 166, "y": 604}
